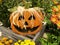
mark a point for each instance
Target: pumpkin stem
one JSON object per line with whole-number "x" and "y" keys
{"x": 27, "y": 4}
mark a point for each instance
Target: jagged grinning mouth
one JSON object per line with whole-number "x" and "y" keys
{"x": 27, "y": 29}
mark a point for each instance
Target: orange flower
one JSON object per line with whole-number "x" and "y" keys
{"x": 58, "y": 16}
{"x": 55, "y": 9}
{"x": 54, "y": 19}
{"x": 58, "y": 24}
{"x": 58, "y": 7}
{"x": 55, "y": 2}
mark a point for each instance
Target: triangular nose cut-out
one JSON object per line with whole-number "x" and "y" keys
{"x": 26, "y": 23}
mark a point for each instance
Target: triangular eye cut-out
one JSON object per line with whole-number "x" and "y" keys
{"x": 32, "y": 16}
{"x": 21, "y": 17}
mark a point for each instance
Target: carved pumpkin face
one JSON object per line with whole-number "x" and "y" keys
{"x": 27, "y": 22}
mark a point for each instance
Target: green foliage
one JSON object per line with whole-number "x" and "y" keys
{"x": 51, "y": 40}
{"x": 11, "y": 3}
{"x": 4, "y": 13}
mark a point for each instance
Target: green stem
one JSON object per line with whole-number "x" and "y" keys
{"x": 26, "y": 4}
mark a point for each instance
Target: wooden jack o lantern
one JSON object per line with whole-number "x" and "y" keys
{"x": 26, "y": 21}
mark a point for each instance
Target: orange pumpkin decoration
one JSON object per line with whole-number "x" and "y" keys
{"x": 56, "y": 19}
{"x": 26, "y": 21}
